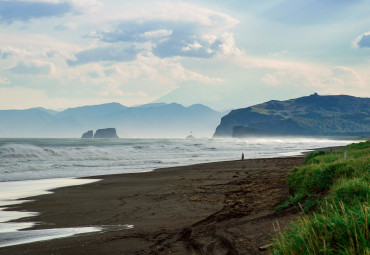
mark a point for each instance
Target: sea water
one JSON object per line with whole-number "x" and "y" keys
{"x": 34, "y": 159}
{"x": 30, "y": 167}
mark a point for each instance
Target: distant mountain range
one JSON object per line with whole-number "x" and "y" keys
{"x": 151, "y": 120}
{"x": 312, "y": 115}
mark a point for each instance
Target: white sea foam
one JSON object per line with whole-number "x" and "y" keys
{"x": 13, "y": 227}
{"x": 20, "y": 237}
{"x": 6, "y": 216}
{"x": 11, "y": 192}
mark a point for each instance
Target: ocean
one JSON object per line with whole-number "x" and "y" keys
{"x": 30, "y": 167}
{"x": 34, "y": 159}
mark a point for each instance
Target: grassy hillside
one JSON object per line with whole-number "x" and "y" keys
{"x": 347, "y": 124}
{"x": 337, "y": 185}
{"x": 312, "y": 115}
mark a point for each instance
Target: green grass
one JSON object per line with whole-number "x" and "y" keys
{"x": 336, "y": 229}
{"x": 339, "y": 189}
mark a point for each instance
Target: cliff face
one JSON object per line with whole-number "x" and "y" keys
{"x": 106, "y": 133}
{"x": 241, "y": 117}
{"x": 311, "y": 115}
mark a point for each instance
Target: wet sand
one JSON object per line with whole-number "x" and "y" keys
{"x": 215, "y": 208}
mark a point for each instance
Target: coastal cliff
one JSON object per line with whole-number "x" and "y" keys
{"x": 313, "y": 115}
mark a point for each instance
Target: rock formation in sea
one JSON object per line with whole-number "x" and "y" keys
{"x": 106, "y": 133}
{"x": 88, "y": 134}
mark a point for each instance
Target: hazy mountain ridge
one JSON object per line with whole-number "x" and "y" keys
{"x": 151, "y": 120}
{"x": 311, "y": 115}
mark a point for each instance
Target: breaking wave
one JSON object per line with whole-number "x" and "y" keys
{"x": 24, "y": 159}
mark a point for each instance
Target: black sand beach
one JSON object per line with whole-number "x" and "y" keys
{"x": 214, "y": 208}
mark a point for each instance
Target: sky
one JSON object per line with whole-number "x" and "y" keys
{"x": 225, "y": 54}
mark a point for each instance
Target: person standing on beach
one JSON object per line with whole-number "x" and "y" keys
{"x": 242, "y": 155}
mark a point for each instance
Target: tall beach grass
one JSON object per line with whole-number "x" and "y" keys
{"x": 333, "y": 188}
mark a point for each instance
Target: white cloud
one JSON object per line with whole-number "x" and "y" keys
{"x": 86, "y": 5}
{"x": 24, "y": 98}
{"x": 27, "y": 10}
{"x": 147, "y": 73}
{"x": 278, "y": 53}
{"x": 291, "y": 74}
{"x": 35, "y": 46}
{"x": 115, "y": 53}
{"x": 67, "y": 26}
{"x": 157, "y": 33}
{"x": 80, "y": 5}
{"x": 34, "y": 67}
{"x": 192, "y": 46}
{"x": 12, "y": 11}
{"x": 323, "y": 79}
{"x": 20, "y": 98}
{"x": 346, "y": 77}
{"x": 4, "y": 81}
{"x": 274, "y": 79}
{"x": 144, "y": 49}
{"x": 362, "y": 41}
{"x": 228, "y": 46}
{"x": 173, "y": 12}
{"x": 174, "y": 29}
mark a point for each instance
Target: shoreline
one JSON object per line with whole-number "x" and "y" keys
{"x": 179, "y": 209}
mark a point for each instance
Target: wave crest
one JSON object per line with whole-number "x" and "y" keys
{"x": 25, "y": 151}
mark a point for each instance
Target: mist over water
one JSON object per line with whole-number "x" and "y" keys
{"x": 32, "y": 159}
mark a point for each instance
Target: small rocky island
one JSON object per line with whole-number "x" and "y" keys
{"x": 101, "y": 133}
{"x": 88, "y": 134}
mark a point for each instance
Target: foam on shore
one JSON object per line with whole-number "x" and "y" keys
{"x": 12, "y": 192}
{"x": 21, "y": 237}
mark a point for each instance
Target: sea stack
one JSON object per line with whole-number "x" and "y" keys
{"x": 106, "y": 133}
{"x": 88, "y": 134}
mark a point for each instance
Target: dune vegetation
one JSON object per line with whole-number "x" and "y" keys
{"x": 333, "y": 190}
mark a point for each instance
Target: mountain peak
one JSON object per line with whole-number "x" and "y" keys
{"x": 200, "y": 107}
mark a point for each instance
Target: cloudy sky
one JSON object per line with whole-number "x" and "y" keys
{"x": 226, "y": 54}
